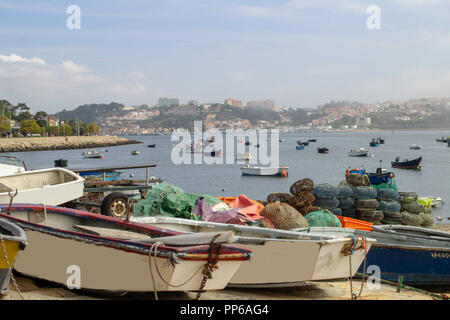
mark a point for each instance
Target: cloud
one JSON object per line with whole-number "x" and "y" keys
{"x": 52, "y": 87}
{"x": 14, "y": 58}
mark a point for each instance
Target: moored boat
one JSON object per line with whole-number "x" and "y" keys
{"x": 443, "y": 139}
{"x": 281, "y": 258}
{"x": 147, "y": 258}
{"x": 374, "y": 143}
{"x": 264, "y": 171}
{"x": 52, "y": 186}
{"x": 302, "y": 142}
{"x": 361, "y": 152}
{"x": 420, "y": 255}
{"x": 407, "y": 164}
{"x": 135, "y": 152}
{"x": 13, "y": 239}
{"x": 415, "y": 146}
{"x": 151, "y": 145}
{"x": 244, "y": 156}
{"x": 322, "y": 150}
{"x": 299, "y": 147}
{"x": 92, "y": 154}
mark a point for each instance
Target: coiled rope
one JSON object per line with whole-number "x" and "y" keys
{"x": 348, "y": 251}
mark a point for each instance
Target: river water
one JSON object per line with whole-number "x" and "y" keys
{"x": 226, "y": 179}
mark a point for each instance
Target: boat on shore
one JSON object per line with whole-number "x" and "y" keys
{"x": 407, "y": 164}
{"x": 13, "y": 239}
{"x": 52, "y": 186}
{"x": 418, "y": 254}
{"x": 322, "y": 150}
{"x": 415, "y": 147}
{"x": 100, "y": 175}
{"x": 264, "y": 171}
{"x": 361, "y": 152}
{"x": 281, "y": 258}
{"x": 147, "y": 258}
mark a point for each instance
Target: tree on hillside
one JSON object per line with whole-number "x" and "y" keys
{"x": 92, "y": 128}
{"x": 5, "y": 124}
{"x": 30, "y": 127}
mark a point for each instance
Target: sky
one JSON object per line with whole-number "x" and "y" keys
{"x": 299, "y": 53}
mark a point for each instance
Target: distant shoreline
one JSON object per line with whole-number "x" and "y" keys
{"x": 61, "y": 143}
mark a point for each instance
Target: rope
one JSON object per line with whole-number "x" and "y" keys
{"x": 10, "y": 268}
{"x": 154, "y": 248}
{"x": 45, "y": 213}
{"x": 349, "y": 252}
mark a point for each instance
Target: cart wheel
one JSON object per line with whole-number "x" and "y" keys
{"x": 115, "y": 205}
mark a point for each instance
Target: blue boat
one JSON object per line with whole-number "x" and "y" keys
{"x": 103, "y": 176}
{"x": 379, "y": 178}
{"x": 300, "y": 147}
{"x": 420, "y": 255}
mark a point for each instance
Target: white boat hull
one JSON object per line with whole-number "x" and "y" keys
{"x": 100, "y": 267}
{"x": 48, "y": 186}
{"x": 276, "y": 262}
{"x": 263, "y": 171}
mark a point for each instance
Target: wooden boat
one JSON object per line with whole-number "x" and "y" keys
{"x": 11, "y": 165}
{"x": 52, "y": 186}
{"x": 415, "y": 146}
{"x": 281, "y": 258}
{"x": 135, "y": 152}
{"x": 151, "y": 145}
{"x": 379, "y": 178}
{"x": 406, "y": 164}
{"x": 358, "y": 153}
{"x": 420, "y": 255}
{"x": 322, "y": 150}
{"x": 13, "y": 239}
{"x": 92, "y": 154}
{"x": 116, "y": 255}
{"x": 264, "y": 171}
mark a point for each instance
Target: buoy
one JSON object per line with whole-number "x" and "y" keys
{"x": 391, "y": 176}
{"x": 283, "y": 174}
{"x": 103, "y": 157}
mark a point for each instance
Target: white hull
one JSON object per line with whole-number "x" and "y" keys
{"x": 358, "y": 153}
{"x": 263, "y": 171}
{"x": 104, "y": 268}
{"x": 48, "y": 186}
{"x": 276, "y": 262}
{"x": 7, "y": 169}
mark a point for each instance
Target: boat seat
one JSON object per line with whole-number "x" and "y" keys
{"x": 5, "y": 188}
{"x": 112, "y": 233}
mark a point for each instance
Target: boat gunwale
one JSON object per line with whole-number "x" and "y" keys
{"x": 195, "y": 252}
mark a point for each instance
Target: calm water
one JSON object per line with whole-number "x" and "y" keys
{"x": 226, "y": 180}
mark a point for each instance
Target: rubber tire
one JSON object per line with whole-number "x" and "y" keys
{"x": 110, "y": 200}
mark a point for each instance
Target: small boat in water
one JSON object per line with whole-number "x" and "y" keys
{"x": 53, "y": 186}
{"x": 300, "y": 147}
{"x": 264, "y": 171}
{"x": 11, "y": 165}
{"x": 418, "y": 254}
{"x": 92, "y": 154}
{"x": 443, "y": 139}
{"x": 302, "y": 142}
{"x": 244, "y": 156}
{"x": 194, "y": 147}
{"x": 322, "y": 150}
{"x": 374, "y": 143}
{"x": 415, "y": 146}
{"x": 281, "y": 258}
{"x": 312, "y": 140}
{"x": 151, "y": 146}
{"x": 135, "y": 152}
{"x": 13, "y": 239}
{"x": 380, "y": 140}
{"x": 61, "y": 163}
{"x": 406, "y": 164}
{"x": 147, "y": 258}
{"x": 358, "y": 153}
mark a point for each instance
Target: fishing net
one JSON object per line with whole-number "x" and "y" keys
{"x": 413, "y": 207}
{"x": 303, "y": 185}
{"x": 349, "y": 213}
{"x": 279, "y": 197}
{"x": 387, "y": 194}
{"x": 369, "y": 214}
{"x": 337, "y": 211}
{"x": 357, "y": 180}
{"x": 327, "y": 203}
{"x": 345, "y": 191}
{"x": 366, "y": 204}
{"x": 346, "y": 203}
{"x": 302, "y": 199}
{"x": 407, "y": 196}
{"x": 391, "y": 185}
{"x": 411, "y": 219}
{"x": 364, "y": 192}
{"x": 389, "y": 205}
{"x": 428, "y": 219}
{"x": 170, "y": 201}
{"x": 322, "y": 218}
{"x": 284, "y": 216}
{"x": 326, "y": 191}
